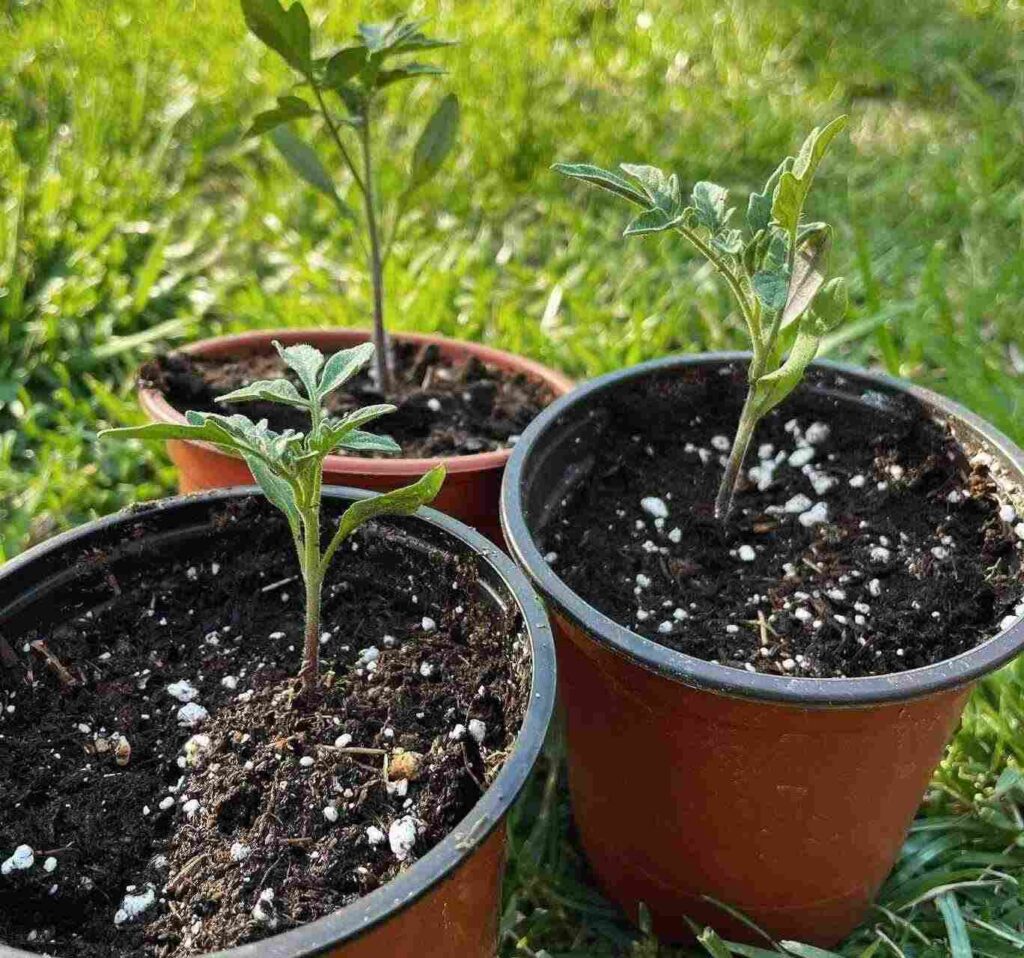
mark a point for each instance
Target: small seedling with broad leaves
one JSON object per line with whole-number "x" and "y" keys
{"x": 345, "y": 88}
{"x": 776, "y": 269}
{"x": 289, "y": 466}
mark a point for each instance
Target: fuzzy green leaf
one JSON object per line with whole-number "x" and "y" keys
{"x": 159, "y": 431}
{"x": 336, "y": 431}
{"x": 787, "y": 202}
{"x": 830, "y": 305}
{"x": 286, "y": 32}
{"x": 408, "y": 71}
{"x": 653, "y": 221}
{"x": 304, "y": 161}
{"x": 709, "y": 201}
{"x": 276, "y": 488}
{"x": 661, "y": 190}
{"x": 808, "y": 276}
{"x": 814, "y": 149}
{"x": 759, "y": 211}
{"x": 267, "y": 390}
{"x": 774, "y": 387}
{"x": 368, "y": 442}
{"x": 728, "y": 241}
{"x": 239, "y": 432}
{"x": 759, "y": 207}
{"x": 360, "y": 417}
{"x": 771, "y": 287}
{"x": 398, "y": 36}
{"x": 342, "y": 366}
{"x": 344, "y": 65}
{"x": 604, "y": 179}
{"x": 305, "y": 361}
{"x": 288, "y": 108}
{"x": 403, "y": 502}
{"x": 793, "y": 186}
{"x": 435, "y": 142}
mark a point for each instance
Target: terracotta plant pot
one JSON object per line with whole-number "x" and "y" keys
{"x": 473, "y": 486}
{"x": 446, "y": 903}
{"x": 787, "y": 798}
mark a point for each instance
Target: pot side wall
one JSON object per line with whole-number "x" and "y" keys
{"x": 457, "y": 917}
{"x": 473, "y": 487}
{"x": 793, "y": 816}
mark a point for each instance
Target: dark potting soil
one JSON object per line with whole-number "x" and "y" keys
{"x": 153, "y": 837}
{"x": 442, "y": 409}
{"x": 861, "y": 543}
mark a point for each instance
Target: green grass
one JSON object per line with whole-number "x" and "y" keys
{"x": 133, "y": 215}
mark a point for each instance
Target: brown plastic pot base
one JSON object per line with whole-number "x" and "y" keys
{"x": 787, "y": 798}
{"x": 448, "y": 902}
{"x": 472, "y": 489}
{"x": 665, "y": 775}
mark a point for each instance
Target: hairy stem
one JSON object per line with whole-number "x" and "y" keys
{"x": 312, "y": 569}
{"x": 310, "y": 670}
{"x": 382, "y": 352}
{"x": 737, "y": 456}
{"x": 336, "y": 136}
{"x": 747, "y": 311}
{"x": 763, "y": 351}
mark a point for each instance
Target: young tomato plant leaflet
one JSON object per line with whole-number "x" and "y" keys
{"x": 776, "y": 269}
{"x": 355, "y": 78}
{"x": 289, "y": 466}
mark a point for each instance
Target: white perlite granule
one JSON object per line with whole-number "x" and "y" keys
{"x": 22, "y": 859}
{"x": 654, "y": 507}
{"x": 192, "y": 714}
{"x": 402, "y": 837}
{"x": 816, "y": 515}
{"x": 133, "y": 906}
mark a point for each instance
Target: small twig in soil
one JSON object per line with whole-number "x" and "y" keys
{"x": 175, "y": 883}
{"x": 52, "y": 662}
{"x": 279, "y": 584}
{"x": 472, "y": 774}
{"x": 810, "y": 565}
{"x": 765, "y": 628}
{"x": 353, "y": 750}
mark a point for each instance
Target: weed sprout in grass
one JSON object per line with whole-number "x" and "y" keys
{"x": 776, "y": 269}
{"x": 354, "y": 78}
{"x": 289, "y": 465}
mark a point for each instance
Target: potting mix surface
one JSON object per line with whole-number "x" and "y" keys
{"x": 862, "y": 542}
{"x": 443, "y": 409}
{"x": 166, "y": 793}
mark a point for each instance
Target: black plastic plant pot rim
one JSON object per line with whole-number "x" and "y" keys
{"x": 803, "y": 692}
{"x": 351, "y": 922}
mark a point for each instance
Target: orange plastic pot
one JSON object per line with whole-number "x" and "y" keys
{"x": 448, "y": 902}
{"x": 473, "y": 486}
{"x": 785, "y": 798}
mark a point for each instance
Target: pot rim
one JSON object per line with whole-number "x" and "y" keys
{"x": 804, "y": 692}
{"x": 157, "y": 407}
{"x": 352, "y": 921}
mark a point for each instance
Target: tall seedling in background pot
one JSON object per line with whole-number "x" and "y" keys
{"x": 289, "y": 466}
{"x": 354, "y": 78}
{"x": 776, "y": 271}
